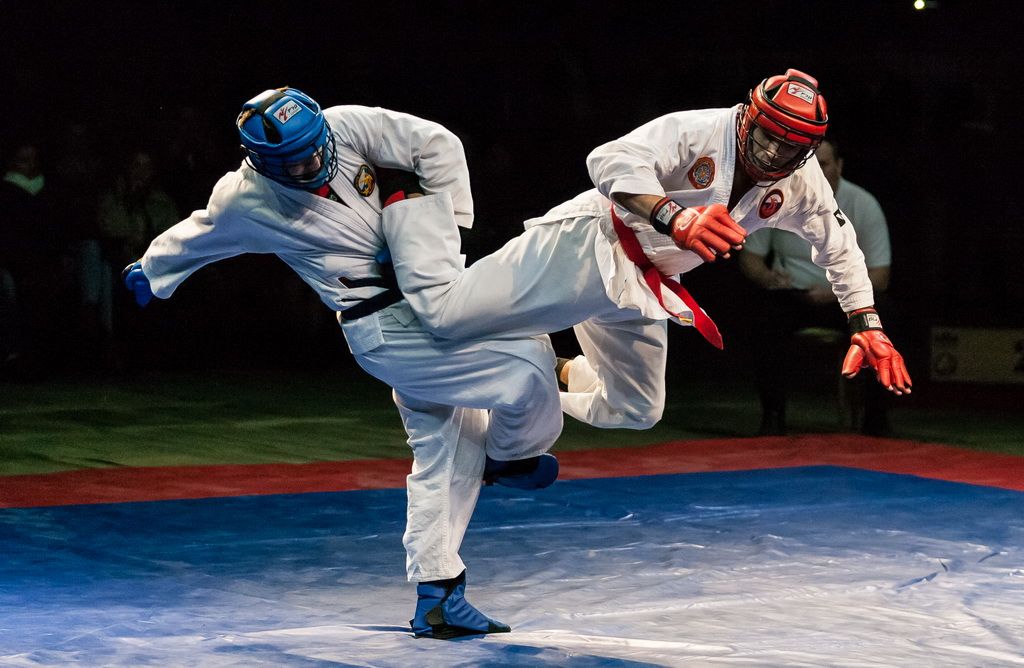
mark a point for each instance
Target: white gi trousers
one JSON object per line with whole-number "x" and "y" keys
{"x": 547, "y": 279}
{"x": 458, "y": 400}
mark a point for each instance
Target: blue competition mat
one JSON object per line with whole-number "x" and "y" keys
{"x": 800, "y": 566}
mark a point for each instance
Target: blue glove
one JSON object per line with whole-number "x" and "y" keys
{"x": 136, "y": 281}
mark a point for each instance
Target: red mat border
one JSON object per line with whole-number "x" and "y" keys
{"x": 125, "y": 484}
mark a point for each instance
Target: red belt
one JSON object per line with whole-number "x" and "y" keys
{"x": 655, "y": 279}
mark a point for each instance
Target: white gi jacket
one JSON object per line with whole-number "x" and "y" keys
{"x": 793, "y": 255}
{"x": 690, "y": 157}
{"x": 322, "y": 240}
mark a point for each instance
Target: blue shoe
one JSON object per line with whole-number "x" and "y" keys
{"x": 443, "y": 612}
{"x": 530, "y": 473}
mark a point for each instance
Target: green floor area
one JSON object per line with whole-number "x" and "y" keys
{"x": 259, "y": 417}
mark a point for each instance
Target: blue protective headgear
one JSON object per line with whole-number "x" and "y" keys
{"x": 282, "y": 129}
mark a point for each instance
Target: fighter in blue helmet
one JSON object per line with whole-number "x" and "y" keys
{"x": 478, "y": 410}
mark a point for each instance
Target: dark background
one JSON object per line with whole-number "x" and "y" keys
{"x": 926, "y": 105}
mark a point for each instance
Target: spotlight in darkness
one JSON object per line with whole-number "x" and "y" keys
{"x": 926, "y": 4}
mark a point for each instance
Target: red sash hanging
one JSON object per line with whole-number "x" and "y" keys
{"x": 655, "y": 279}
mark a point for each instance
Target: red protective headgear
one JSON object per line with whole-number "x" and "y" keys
{"x": 793, "y": 117}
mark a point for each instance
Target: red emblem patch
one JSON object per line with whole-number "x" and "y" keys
{"x": 702, "y": 173}
{"x": 770, "y": 203}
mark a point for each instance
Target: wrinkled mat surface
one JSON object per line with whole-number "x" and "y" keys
{"x": 816, "y": 565}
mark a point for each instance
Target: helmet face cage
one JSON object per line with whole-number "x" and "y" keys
{"x": 765, "y": 155}
{"x": 286, "y": 138}
{"x": 307, "y": 167}
{"x": 792, "y": 118}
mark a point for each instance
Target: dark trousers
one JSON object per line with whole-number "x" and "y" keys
{"x": 778, "y": 316}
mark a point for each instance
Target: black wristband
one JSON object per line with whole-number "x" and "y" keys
{"x": 862, "y": 320}
{"x": 663, "y": 213}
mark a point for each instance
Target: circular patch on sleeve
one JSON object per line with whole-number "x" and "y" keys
{"x": 702, "y": 173}
{"x": 770, "y": 203}
{"x": 364, "y": 181}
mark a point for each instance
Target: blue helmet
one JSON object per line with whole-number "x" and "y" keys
{"x": 286, "y": 138}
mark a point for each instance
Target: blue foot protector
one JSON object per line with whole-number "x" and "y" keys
{"x": 443, "y": 612}
{"x": 531, "y": 473}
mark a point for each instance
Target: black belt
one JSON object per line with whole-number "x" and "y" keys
{"x": 380, "y": 301}
{"x": 372, "y": 305}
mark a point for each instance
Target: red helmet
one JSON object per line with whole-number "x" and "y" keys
{"x": 780, "y": 126}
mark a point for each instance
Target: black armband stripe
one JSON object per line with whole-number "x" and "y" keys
{"x": 662, "y": 215}
{"x": 863, "y": 320}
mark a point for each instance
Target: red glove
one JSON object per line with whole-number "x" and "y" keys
{"x": 708, "y": 231}
{"x": 870, "y": 347}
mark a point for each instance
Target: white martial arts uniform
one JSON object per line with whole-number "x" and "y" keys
{"x": 569, "y": 269}
{"x": 457, "y": 399}
{"x": 792, "y": 255}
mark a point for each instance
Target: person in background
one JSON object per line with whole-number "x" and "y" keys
{"x": 798, "y": 294}
{"x": 78, "y": 178}
{"x": 32, "y": 243}
{"x": 133, "y": 210}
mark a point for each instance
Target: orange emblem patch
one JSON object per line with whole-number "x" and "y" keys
{"x": 702, "y": 173}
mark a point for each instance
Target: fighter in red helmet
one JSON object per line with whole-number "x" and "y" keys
{"x": 781, "y": 126}
{"x": 683, "y": 189}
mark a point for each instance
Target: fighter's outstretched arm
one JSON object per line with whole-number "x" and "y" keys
{"x": 208, "y": 235}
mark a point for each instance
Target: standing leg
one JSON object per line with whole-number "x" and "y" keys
{"x": 458, "y": 401}
{"x": 448, "y": 460}
{"x": 448, "y": 463}
{"x": 497, "y": 405}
